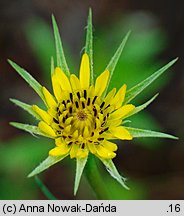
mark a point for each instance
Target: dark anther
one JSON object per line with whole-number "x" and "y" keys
{"x": 94, "y": 99}
{"x": 101, "y": 132}
{"x": 56, "y": 121}
{"x": 78, "y": 95}
{"x": 103, "y": 103}
{"x": 90, "y": 141}
{"x": 95, "y": 125}
{"x": 95, "y": 111}
{"x": 102, "y": 124}
{"x": 59, "y": 132}
{"x": 96, "y": 143}
{"x": 76, "y": 104}
{"x": 61, "y": 127}
{"x": 107, "y": 114}
{"x": 57, "y": 109}
{"x": 83, "y": 146}
{"x": 69, "y": 143}
{"x": 85, "y": 94}
{"x": 59, "y": 112}
{"x": 107, "y": 106}
{"x": 66, "y": 116}
{"x": 101, "y": 112}
{"x": 92, "y": 134}
{"x": 70, "y": 110}
{"x": 107, "y": 128}
{"x": 83, "y": 104}
{"x": 64, "y": 119}
{"x": 104, "y": 118}
{"x": 71, "y": 97}
{"x": 64, "y": 137}
{"x": 88, "y": 102}
{"x": 100, "y": 139}
{"x": 69, "y": 136}
{"x": 68, "y": 101}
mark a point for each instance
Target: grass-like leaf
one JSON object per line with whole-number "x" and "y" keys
{"x": 89, "y": 44}
{"x": 25, "y": 107}
{"x": 111, "y": 168}
{"x": 44, "y": 189}
{"x": 48, "y": 162}
{"x": 134, "y": 91}
{"x": 114, "y": 60}
{"x": 28, "y": 78}
{"x": 80, "y": 164}
{"x": 28, "y": 128}
{"x": 141, "y": 107}
{"x": 61, "y": 61}
{"x": 136, "y": 132}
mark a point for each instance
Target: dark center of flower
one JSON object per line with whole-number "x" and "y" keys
{"x": 82, "y": 116}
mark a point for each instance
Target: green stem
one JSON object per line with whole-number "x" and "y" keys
{"x": 95, "y": 179}
{"x": 44, "y": 189}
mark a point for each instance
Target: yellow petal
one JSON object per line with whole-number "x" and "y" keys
{"x": 101, "y": 83}
{"x": 92, "y": 148}
{"x": 121, "y": 133}
{"x": 105, "y": 153}
{"x": 43, "y": 114}
{"x": 45, "y": 128}
{"x": 74, "y": 150}
{"x": 82, "y": 153}
{"x": 86, "y": 132}
{"x": 56, "y": 87}
{"x": 109, "y": 145}
{"x": 110, "y": 96}
{"x": 119, "y": 97}
{"x": 59, "y": 151}
{"x": 84, "y": 72}
{"x": 75, "y": 83}
{"x": 123, "y": 111}
{"x": 63, "y": 80}
{"x": 49, "y": 98}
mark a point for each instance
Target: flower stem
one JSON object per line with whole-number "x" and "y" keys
{"x": 44, "y": 189}
{"x": 95, "y": 179}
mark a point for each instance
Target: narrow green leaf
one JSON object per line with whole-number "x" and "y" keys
{"x": 28, "y": 78}
{"x": 141, "y": 107}
{"x": 114, "y": 60}
{"x": 29, "y": 128}
{"x": 48, "y": 162}
{"x": 134, "y": 91}
{"x": 44, "y": 189}
{"x": 52, "y": 65}
{"x": 25, "y": 107}
{"x": 61, "y": 61}
{"x": 111, "y": 168}
{"x": 136, "y": 132}
{"x": 89, "y": 43}
{"x": 80, "y": 164}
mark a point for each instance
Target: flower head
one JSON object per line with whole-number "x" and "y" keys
{"x": 80, "y": 117}
{"x": 83, "y": 116}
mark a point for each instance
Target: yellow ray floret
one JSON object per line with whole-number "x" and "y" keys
{"x": 85, "y": 72}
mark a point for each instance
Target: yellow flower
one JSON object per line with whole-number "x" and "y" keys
{"x": 80, "y": 117}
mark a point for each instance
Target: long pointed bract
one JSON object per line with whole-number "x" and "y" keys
{"x": 80, "y": 164}
{"x": 61, "y": 61}
{"x": 114, "y": 60}
{"x": 137, "y": 132}
{"x": 49, "y": 161}
{"x": 89, "y": 44}
{"x": 28, "y": 78}
{"x": 29, "y": 128}
{"x": 134, "y": 91}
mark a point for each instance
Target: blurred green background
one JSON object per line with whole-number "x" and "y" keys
{"x": 154, "y": 167}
